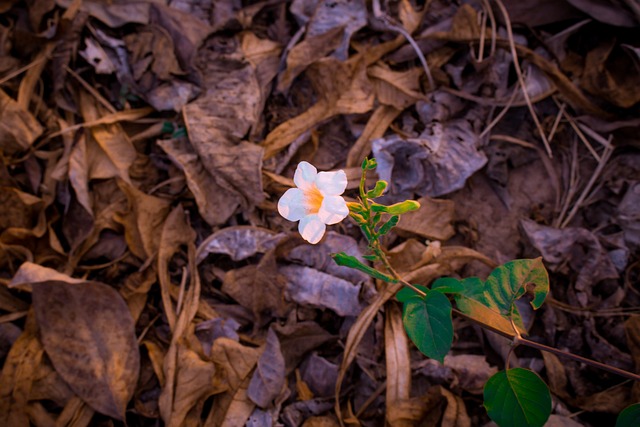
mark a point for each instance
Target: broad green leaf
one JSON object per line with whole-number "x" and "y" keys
{"x": 517, "y": 397}
{"x": 377, "y": 190}
{"x": 397, "y": 208}
{"x": 629, "y": 417}
{"x": 405, "y": 293}
{"x": 449, "y": 285}
{"x": 428, "y": 324}
{"x": 489, "y": 315}
{"x": 512, "y": 280}
{"x": 353, "y": 262}
{"x": 387, "y": 226}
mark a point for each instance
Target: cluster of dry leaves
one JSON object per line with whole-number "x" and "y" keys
{"x": 146, "y": 275}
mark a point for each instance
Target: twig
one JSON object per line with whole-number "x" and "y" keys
{"x": 516, "y": 64}
{"x": 390, "y": 25}
{"x": 518, "y": 339}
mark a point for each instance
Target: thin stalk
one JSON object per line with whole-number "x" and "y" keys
{"x": 514, "y": 338}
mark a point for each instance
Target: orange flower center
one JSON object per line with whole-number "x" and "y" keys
{"x": 313, "y": 200}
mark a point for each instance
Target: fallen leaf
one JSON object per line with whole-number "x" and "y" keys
{"x": 19, "y": 129}
{"x": 268, "y": 379}
{"x": 239, "y": 242}
{"x": 398, "y": 361}
{"x": 88, "y": 333}
{"x": 576, "y": 247}
{"x": 320, "y": 375}
{"x": 432, "y": 221}
{"x": 471, "y": 371}
{"x": 18, "y": 375}
{"x": 342, "y": 88}
{"x": 297, "y": 339}
{"x": 233, "y": 408}
{"x": 439, "y": 161}
{"x": 308, "y": 286}
{"x": 141, "y": 222}
{"x": 215, "y": 202}
{"x": 398, "y": 89}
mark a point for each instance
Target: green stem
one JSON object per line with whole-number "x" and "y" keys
{"x": 514, "y": 338}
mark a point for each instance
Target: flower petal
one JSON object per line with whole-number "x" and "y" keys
{"x": 311, "y": 228}
{"x": 333, "y": 210}
{"x": 291, "y": 204}
{"x": 332, "y": 183}
{"x": 305, "y": 176}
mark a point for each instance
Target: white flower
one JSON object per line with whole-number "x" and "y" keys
{"x": 316, "y": 202}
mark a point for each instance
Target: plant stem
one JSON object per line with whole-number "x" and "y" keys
{"x": 515, "y": 339}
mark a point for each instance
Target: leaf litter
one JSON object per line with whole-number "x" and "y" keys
{"x": 147, "y": 278}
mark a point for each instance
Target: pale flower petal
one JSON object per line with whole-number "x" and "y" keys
{"x": 332, "y": 183}
{"x": 305, "y": 176}
{"x": 333, "y": 210}
{"x": 291, "y": 204}
{"x": 311, "y": 228}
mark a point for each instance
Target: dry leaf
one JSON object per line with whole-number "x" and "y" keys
{"x": 232, "y": 408}
{"x": 268, "y": 379}
{"x": 114, "y": 145}
{"x": 238, "y": 242}
{"x": 18, "y": 374}
{"x": 18, "y": 128}
{"x": 432, "y": 221}
{"x": 307, "y": 286}
{"x": 215, "y": 203}
{"x": 561, "y": 247}
{"x": 439, "y": 161}
{"x": 88, "y": 333}
{"x": 398, "y": 89}
{"x": 471, "y": 371}
{"x": 398, "y": 361}
{"x": 455, "y": 414}
{"x": 142, "y": 221}
{"x": 343, "y": 88}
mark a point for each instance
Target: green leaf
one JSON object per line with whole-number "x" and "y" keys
{"x": 387, "y": 226}
{"x": 371, "y": 257}
{"x": 353, "y": 262}
{"x": 377, "y": 190}
{"x": 405, "y": 293}
{"x": 517, "y": 397}
{"x": 629, "y": 417}
{"x": 398, "y": 208}
{"x": 512, "y": 280}
{"x": 449, "y": 285}
{"x": 428, "y": 323}
{"x": 369, "y": 164}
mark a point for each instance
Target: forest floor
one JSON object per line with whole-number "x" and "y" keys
{"x": 147, "y": 277}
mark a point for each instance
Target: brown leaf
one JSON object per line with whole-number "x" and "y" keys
{"x": 432, "y": 221}
{"x": 18, "y": 128}
{"x": 351, "y": 15}
{"x": 605, "y": 75}
{"x": 472, "y": 371}
{"x": 233, "y": 408}
{"x": 343, "y": 88}
{"x": 398, "y": 361}
{"x": 325, "y": 421}
{"x": 398, "y": 89}
{"x": 578, "y": 248}
{"x": 440, "y": 159}
{"x": 142, "y": 221}
{"x": 308, "y": 286}
{"x": 88, "y": 333}
{"x": 305, "y": 53}
{"x": 215, "y": 202}
{"x": 18, "y": 374}
{"x": 33, "y": 273}
{"x": 298, "y": 339}
{"x": 269, "y": 378}
{"x": 455, "y": 415}
{"x": 113, "y": 144}
{"x": 238, "y": 242}
{"x": 190, "y": 380}
{"x": 376, "y": 127}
